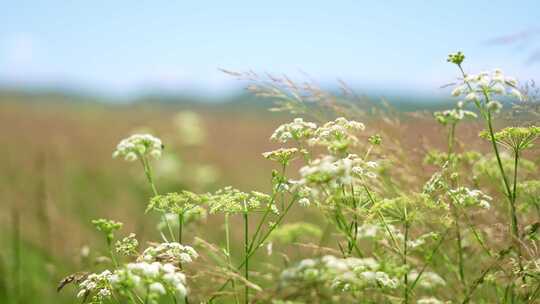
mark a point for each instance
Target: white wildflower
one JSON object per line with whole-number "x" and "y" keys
{"x": 138, "y": 146}
{"x": 296, "y": 130}
{"x": 157, "y": 287}
{"x": 430, "y": 300}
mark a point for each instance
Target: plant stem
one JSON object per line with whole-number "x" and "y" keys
{"x": 246, "y": 255}
{"x": 111, "y": 253}
{"x": 459, "y": 247}
{"x": 509, "y": 193}
{"x": 451, "y": 139}
{"x": 261, "y": 241}
{"x": 268, "y": 209}
{"x": 16, "y": 243}
{"x": 228, "y": 248}
{"x": 429, "y": 258}
{"x": 180, "y": 226}
{"x": 148, "y": 172}
{"x": 405, "y": 247}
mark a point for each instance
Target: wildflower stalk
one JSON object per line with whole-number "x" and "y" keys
{"x": 477, "y": 235}
{"x": 486, "y": 113}
{"x": 16, "y": 245}
{"x": 405, "y": 248}
{"x": 455, "y": 213}
{"x": 451, "y": 139}
{"x": 254, "y": 248}
{"x": 268, "y": 209}
{"x": 428, "y": 260}
{"x": 534, "y": 295}
{"x": 246, "y": 255}
{"x": 459, "y": 246}
{"x": 111, "y": 253}
{"x": 228, "y": 248}
{"x": 180, "y": 226}
{"x": 148, "y": 172}
{"x": 511, "y": 195}
{"x": 381, "y": 217}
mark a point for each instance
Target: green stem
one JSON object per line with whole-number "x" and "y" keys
{"x": 381, "y": 217}
{"x": 428, "y": 260}
{"x": 268, "y": 209}
{"x": 261, "y": 241}
{"x": 228, "y": 248}
{"x": 405, "y": 247}
{"x": 16, "y": 243}
{"x": 180, "y": 226}
{"x": 460, "y": 250}
{"x": 148, "y": 172}
{"x": 497, "y": 153}
{"x": 514, "y": 194}
{"x": 113, "y": 258}
{"x": 509, "y": 193}
{"x": 246, "y": 255}
{"x": 451, "y": 139}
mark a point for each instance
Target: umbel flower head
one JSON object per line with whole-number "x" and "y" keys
{"x": 139, "y": 146}
{"x": 456, "y": 58}
{"x": 97, "y": 285}
{"x": 515, "y": 138}
{"x": 231, "y": 200}
{"x": 108, "y": 227}
{"x": 470, "y": 197}
{"x": 175, "y": 202}
{"x": 296, "y": 130}
{"x": 154, "y": 279}
{"x": 128, "y": 245}
{"x": 283, "y": 155}
{"x": 173, "y": 253}
{"x": 337, "y": 135}
{"x": 475, "y": 88}
{"x": 453, "y": 116}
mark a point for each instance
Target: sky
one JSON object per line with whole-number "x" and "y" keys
{"x": 128, "y": 47}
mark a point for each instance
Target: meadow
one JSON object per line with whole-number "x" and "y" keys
{"x": 328, "y": 198}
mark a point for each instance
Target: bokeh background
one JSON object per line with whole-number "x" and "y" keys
{"x": 76, "y": 77}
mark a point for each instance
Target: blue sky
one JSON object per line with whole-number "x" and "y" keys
{"x": 126, "y": 47}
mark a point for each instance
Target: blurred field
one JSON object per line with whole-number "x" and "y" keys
{"x": 58, "y": 175}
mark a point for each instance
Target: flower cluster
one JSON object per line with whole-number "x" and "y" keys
{"x": 389, "y": 231}
{"x": 515, "y": 138}
{"x": 341, "y": 273}
{"x": 231, "y": 200}
{"x": 430, "y": 300}
{"x": 179, "y": 203}
{"x": 283, "y": 155}
{"x": 453, "y": 116}
{"x": 155, "y": 279}
{"x": 337, "y": 135}
{"x": 128, "y": 245}
{"x": 96, "y": 284}
{"x": 485, "y": 85}
{"x": 456, "y": 58}
{"x": 297, "y": 130}
{"x": 173, "y": 253}
{"x": 467, "y": 197}
{"x": 138, "y": 146}
{"x": 336, "y": 171}
{"x": 107, "y": 227}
